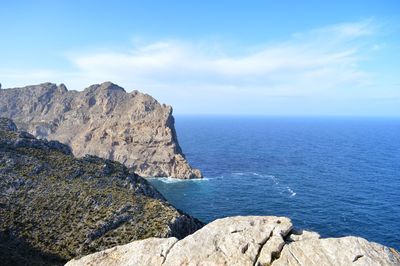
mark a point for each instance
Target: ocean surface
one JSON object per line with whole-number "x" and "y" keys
{"x": 337, "y": 176}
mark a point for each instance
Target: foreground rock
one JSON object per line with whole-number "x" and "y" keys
{"x": 103, "y": 120}
{"x": 252, "y": 240}
{"x": 337, "y": 251}
{"x": 54, "y": 207}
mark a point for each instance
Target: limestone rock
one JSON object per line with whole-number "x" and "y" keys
{"x": 271, "y": 250}
{"x": 303, "y": 235}
{"x": 337, "y": 251}
{"x": 229, "y": 241}
{"x": 151, "y": 251}
{"x": 103, "y": 120}
{"x": 252, "y": 240}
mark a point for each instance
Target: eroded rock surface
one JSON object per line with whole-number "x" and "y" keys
{"x": 337, "y": 251}
{"x": 103, "y": 120}
{"x": 230, "y": 241}
{"x": 246, "y": 240}
{"x": 151, "y": 251}
{"x": 54, "y": 207}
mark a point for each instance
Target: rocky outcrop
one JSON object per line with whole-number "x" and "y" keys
{"x": 54, "y": 207}
{"x": 337, "y": 251}
{"x": 103, "y": 120}
{"x": 252, "y": 240}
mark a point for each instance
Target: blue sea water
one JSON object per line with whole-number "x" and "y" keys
{"x": 337, "y": 176}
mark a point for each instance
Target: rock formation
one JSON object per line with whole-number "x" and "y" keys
{"x": 54, "y": 207}
{"x": 105, "y": 121}
{"x": 252, "y": 240}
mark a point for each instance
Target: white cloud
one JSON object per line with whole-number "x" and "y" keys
{"x": 320, "y": 63}
{"x": 317, "y": 54}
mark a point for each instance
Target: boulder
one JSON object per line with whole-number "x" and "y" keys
{"x": 246, "y": 240}
{"x": 336, "y": 251}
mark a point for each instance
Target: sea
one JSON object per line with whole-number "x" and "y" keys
{"x": 334, "y": 175}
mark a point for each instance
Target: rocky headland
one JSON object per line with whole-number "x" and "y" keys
{"x": 251, "y": 240}
{"x": 54, "y": 206}
{"x": 102, "y": 120}
{"x": 94, "y": 209}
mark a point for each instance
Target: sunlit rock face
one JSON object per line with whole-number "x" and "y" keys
{"x": 246, "y": 240}
{"x": 102, "y": 120}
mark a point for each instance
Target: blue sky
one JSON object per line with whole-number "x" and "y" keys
{"x": 214, "y": 57}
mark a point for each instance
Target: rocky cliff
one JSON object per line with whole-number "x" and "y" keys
{"x": 252, "y": 240}
{"x": 54, "y": 207}
{"x": 103, "y": 120}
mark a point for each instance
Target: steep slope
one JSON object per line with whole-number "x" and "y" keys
{"x": 54, "y": 206}
{"x": 241, "y": 241}
{"x": 103, "y": 120}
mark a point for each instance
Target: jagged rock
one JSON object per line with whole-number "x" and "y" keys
{"x": 54, "y": 207}
{"x": 270, "y": 251}
{"x": 336, "y": 251}
{"x": 230, "y": 241}
{"x": 252, "y": 240}
{"x": 103, "y": 120}
{"x": 151, "y": 251}
{"x": 303, "y": 235}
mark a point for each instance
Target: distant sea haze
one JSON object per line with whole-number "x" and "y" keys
{"x": 337, "y": 176}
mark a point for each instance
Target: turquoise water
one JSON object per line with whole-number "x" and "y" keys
{"x": 338, "y": 176}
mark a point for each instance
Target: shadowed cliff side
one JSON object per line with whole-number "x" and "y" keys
{"x": 103, "y": 120}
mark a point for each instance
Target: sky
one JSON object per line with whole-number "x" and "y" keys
{"x": 273, "y": 58}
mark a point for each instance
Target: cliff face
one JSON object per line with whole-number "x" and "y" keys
{"x": 103, "y": 120}
{"x": 54, "y": 206}
{"x": 252, "y": 240}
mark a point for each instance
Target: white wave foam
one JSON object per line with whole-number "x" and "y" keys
{"x": 292, "y": 193}
{"x": 248, "y": 174}
{"x": 238, "y": 173}
{"x": 170, "y": 180}
{"x": 274, "y": 179}
{"x": 282, "y": 189}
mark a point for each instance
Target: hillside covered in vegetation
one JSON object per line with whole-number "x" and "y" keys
{"x": 54, "y": 207}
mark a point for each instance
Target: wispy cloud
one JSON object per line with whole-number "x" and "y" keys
{"x": 318, "y": 60}
{"x": 324, "y": 61}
